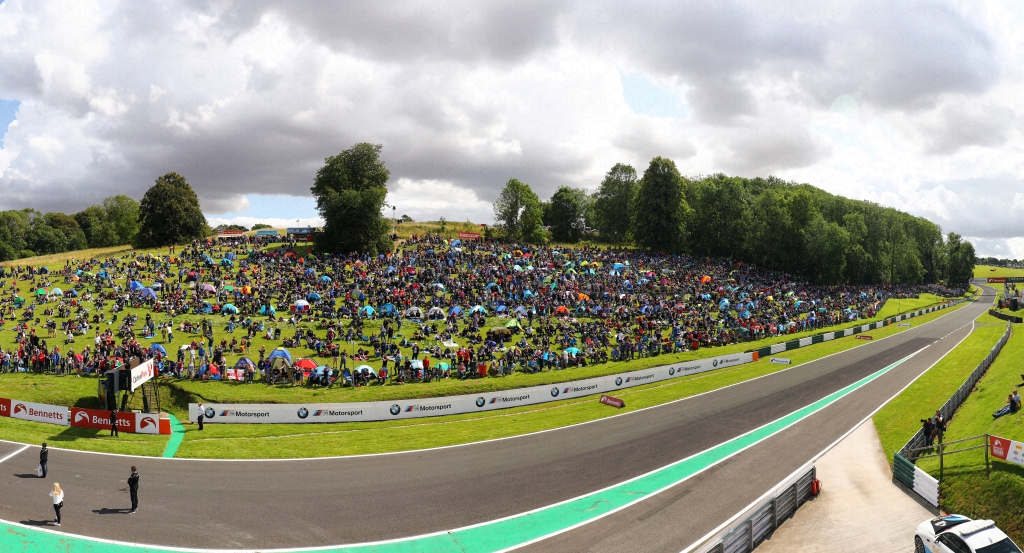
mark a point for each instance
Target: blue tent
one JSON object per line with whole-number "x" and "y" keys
{"x": 157, "y": 348}
{"x": 73, "y": 294}
{"x": 367, "y": 311}
{"x": 280, "y": 352}
{"x": 478, "y": 309}
{"x": 325, "y": 278}
{"x": 207, "y": 308}
{"x": 618, "y": 266}
{"x": 267, "y": 310}
{"x": 310, "y": 271}
{"x": 135, "y": 286}
{"x": 387, "y": 309}
{"x": 313, "y": 296}
{"x": 455, "y": 311}
{"x": 226, "y": 262}
{"x": 528, "y": 293}
{"x": 501, "y": 308}
{"x": 148, "y": 293}
{"x": 229, "y": 309}
{"x": 456, "y": 242}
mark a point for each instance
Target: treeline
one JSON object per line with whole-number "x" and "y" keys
{"x": 775, "y": 224}
{"x": 996, "y": 262}
{"x": 27, "y": 232}
{"x": 169, "y": 213}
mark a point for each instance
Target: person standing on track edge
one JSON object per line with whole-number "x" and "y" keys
{"x": 202, "y": 413}
{"x": 113, "y": 423}
{"x": 58, "y": 501}
{"x": 133, "y": 489}
{"x": 44, "y": 455}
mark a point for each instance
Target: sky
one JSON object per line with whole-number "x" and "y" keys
{"x": 910, "y": 104}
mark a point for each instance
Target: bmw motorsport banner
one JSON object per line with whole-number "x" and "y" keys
{"x": 468, "y": 403}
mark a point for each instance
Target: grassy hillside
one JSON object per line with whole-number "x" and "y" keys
{"x": 966, "y": 488}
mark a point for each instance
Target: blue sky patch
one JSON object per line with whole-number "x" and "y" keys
{"x": 645, "y": 97}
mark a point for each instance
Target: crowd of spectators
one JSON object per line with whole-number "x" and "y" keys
{"x": 435, "y": 308}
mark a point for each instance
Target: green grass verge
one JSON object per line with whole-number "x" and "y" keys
{"x": 966, "y": 488}
{"x": 986, "y": 271}
{"x": 284, "y": 441}
{"x": 900, "y": 418}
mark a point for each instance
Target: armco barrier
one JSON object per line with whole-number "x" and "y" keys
{"x": 1009, "y": 318}
{"x": 827, "y": 336}
{"x": 958, "y": 398}
{"x": 914, "y": 478}
{"x": 448, "y": 405}
{"x": 764, "y": 517}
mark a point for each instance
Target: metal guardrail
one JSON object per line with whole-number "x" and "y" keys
{"x": 1011, "y": 318}
{"x": 910, "y": 449}
{"x": 743, "y": 536}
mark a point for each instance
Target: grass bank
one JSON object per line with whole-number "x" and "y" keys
{"x": 986, "y": 271}
{"x": 283, "y": 441}
{"x": 901, "y": 417}
{"x": 966, "y": 488}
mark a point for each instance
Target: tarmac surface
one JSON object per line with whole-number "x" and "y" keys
{"x": 319, "y": 502}
{"x": 858, "y": 493}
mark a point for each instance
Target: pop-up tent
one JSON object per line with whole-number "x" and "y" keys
{"x": 435, "y": 313}
{"x": 414, "y": 313}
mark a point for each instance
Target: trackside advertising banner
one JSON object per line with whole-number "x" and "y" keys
{"x": 469, "y": 403}
{"x": 142, "y": 373}
{"x": 138, "y": 423}
{"x": 39, "y": 412}
{"x": 1007, "y": 450}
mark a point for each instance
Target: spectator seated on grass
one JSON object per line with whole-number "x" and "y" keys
{"x": 1012, "y": 406}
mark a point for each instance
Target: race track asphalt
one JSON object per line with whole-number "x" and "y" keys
{"x": 310, "y": 503}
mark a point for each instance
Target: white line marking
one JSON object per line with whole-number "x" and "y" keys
{"x": 709, "y": 535}
{"x": 404, "y": 452}
{"x": 13, "y": 454}
{"x": 522, "y": 514}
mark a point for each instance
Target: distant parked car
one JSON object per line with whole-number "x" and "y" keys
{"x": 959, "y": 534}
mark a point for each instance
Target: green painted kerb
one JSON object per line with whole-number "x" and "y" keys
{"x": 177, "y": 434}
{"x": 493, "y": 536}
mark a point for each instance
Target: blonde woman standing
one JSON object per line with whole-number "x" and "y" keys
{"x": 58, "y": 501}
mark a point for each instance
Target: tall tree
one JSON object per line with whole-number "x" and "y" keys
{"x": 123, "y": 213}
{"x": 99, "y": 232}
{"x": 721, "y": 216}
{"x": 660, "y": 209}
{"x": 613, "y": 201}
{"x": 169, "y": 214}
{"x": 825, "y": 251}
{"x": 518, "y": 211}
{"x": 959, "y": 260}
{"x": 67, "y": 226}
{"x": 568, "y": 210}
{"x": 350, "y": 190}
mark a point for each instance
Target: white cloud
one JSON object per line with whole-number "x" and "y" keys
{"x": 914, "y": 104}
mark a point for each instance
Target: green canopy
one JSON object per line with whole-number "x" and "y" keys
{"x": 41, "y": 292}
{"x": 513, "y": 323}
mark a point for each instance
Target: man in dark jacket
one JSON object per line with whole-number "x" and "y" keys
{"x": 113, "y": 423}
{"x": 133, "y": 489}
{"x": 44, "y": 455}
